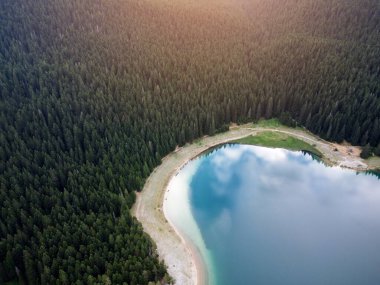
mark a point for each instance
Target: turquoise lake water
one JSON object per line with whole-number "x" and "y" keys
{"x": 270, "y": 216}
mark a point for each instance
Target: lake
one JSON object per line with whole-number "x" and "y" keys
{"x": 271, "y": 216}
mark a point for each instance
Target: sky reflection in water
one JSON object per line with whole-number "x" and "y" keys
{"x": 271, "y": 216}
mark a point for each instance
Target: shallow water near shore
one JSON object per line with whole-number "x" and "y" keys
{"x": 271, "y": 216}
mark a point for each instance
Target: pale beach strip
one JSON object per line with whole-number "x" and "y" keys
{"x": 180, "y": 254}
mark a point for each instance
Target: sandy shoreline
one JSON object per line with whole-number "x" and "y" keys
{"x": 198, "y": 265}
{"x": 180, "y": 254}
{"x": 182, "y": 257}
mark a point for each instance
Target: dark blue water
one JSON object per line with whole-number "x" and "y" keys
{"x": 271, "y": 216}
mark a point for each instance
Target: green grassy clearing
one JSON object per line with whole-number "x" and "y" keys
{"x": 272, "y": 123}
{"x": 374, "y": 162}
{"x": 279, "y": 140}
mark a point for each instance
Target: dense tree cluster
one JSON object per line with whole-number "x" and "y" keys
{"x": 94, "y": 93}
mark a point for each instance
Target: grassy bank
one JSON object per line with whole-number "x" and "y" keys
{"x": 374, "y": 162}
{"x": 280, "y": 140}
{"x": 271, "y": 123}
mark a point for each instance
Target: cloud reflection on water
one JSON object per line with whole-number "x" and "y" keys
{"x": 285, "y": 208}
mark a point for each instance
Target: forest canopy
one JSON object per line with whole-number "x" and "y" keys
{"x": 94, "y": 93}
